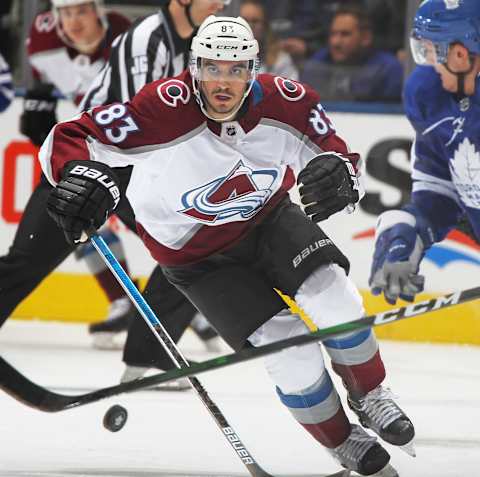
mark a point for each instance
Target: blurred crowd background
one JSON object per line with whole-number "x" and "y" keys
{"x": 349, "y": 50}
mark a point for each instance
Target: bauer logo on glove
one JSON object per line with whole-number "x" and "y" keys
{"x": 84, "y": 197}
{"x": 99, "y": 176}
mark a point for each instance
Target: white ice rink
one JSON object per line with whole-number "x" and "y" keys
{"x": 173, "y": 434}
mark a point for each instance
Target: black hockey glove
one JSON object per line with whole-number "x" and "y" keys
{"x": 84, "y": 197}
{"x": 329, "y": 185}
{"x": 38, "y": 116}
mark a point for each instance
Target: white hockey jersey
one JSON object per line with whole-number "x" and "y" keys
{"x": 198, "y": 186}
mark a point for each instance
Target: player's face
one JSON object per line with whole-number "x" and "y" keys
{"x": 223, "y": 84}
{"x": 201, "y": 9}
{"x": 81, "y": 23}
{"x": 346, "y": 38}
{"x": 458, "y": 61}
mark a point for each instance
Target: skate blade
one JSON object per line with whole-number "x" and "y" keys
{"x": 409, "y": 449}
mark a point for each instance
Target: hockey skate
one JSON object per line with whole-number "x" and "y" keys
{"x": 206, "y": 333}
{"x": 363, "y": 454}
{"x": 134, "y": 372}
{"x": 378, "y": 412}
{"x": 105, "y": 332}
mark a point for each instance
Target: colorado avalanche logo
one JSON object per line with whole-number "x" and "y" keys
{"x": 45, "y": 22}
{"x": 173, "y": 91}
{"x": 289, "y": 89}
{"x": 237, "y": 196}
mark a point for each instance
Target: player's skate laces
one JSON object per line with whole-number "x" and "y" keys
{"x": 136, "y": 372}
{"x": 363, "y": 454}
{"x": 103, "y": 333}
{"x": 377, "y": 411}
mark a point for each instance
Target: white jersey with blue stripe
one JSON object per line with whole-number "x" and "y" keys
{"x": 446, "y": 152}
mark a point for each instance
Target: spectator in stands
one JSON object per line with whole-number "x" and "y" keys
{"x": 6, "y": 85}
{"x": 297, "y": 24}
{"x": 350, "y": 68}
{"x": 272, "y": 59}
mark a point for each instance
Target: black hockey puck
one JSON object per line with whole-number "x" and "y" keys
{"x": 115, "y": 418}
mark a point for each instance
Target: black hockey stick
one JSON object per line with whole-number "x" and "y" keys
{"x": 40, "y": 398}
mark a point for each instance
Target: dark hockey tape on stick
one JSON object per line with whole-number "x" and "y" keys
{"x": 33, "y": 395}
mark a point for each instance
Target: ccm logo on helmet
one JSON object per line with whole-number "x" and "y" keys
{"x": 173, "y": 91}
{"x": 100, "y": 177}
{"x": 227, "y": 47}
{"x": 289, "y": 89}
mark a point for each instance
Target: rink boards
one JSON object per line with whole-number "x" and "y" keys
{"x": 384, "y": 140}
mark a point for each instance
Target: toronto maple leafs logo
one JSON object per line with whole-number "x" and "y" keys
{"x": 237, "y": 196}
{"x": 465, "y": 170}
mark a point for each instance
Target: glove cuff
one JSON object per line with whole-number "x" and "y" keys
{"x": 40, "y": 99}
{"x": 391, "y": 218}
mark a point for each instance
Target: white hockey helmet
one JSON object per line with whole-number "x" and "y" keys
{"x": 224, "y": 39}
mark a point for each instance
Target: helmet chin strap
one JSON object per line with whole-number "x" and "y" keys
{"x": 461, "y": 84}
{"x": 461, "y": 76}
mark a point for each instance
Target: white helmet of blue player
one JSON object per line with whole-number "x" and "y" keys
{"x": 223, "y": 39}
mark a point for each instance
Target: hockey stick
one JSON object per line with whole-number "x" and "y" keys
{"x": 40, "y": 398}
{"x": 175, "y": 354}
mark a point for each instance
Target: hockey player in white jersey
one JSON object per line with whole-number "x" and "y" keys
{"x": 442, "y": 98}
{"x": 214, "y": 152}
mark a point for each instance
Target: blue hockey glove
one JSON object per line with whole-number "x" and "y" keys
{"x": 399, "y": 248}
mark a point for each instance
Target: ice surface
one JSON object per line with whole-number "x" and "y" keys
{"x": 173, "y": 434}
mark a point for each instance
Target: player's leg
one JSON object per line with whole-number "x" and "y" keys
{"x": 329, "y": 297}
{"x": 304, "y": 263}
{"x": 38, "y": 248}
{"x": 306, "y": 389}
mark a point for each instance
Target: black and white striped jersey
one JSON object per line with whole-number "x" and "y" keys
{"x": 149, "y": 50}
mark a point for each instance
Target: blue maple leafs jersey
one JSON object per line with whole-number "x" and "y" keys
{"x": 446, "y": 152}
